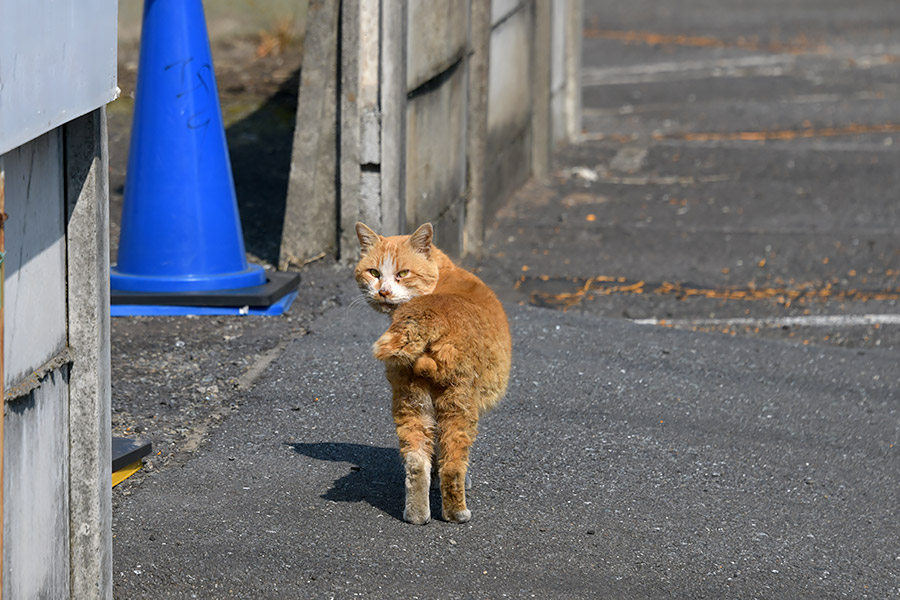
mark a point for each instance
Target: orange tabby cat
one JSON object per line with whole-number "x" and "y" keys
{"x": 447, "y": 356}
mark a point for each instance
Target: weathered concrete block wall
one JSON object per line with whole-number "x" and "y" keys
{"x": 35, "y": 288}
{"x": 510, "y": 99}
{"x": 57, "y": 502}
{"x": 443, "y": 109}
{"x": 558, "y": 69}
{"x": 36, "y": 500}
{"x": 36, "y": 474}
{"x": 565, "y": 91}
{"x": 436, "y": 111}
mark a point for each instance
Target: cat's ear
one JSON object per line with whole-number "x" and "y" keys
{"x": 367, "y": 237}
{"x": 421, "y": 238}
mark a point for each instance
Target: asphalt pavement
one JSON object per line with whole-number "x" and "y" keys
{"x": 738, "y": 174}
{"x": 705, "y": 397}
{"x": 625, "y": 462}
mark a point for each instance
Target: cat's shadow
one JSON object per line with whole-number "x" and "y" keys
{"x": 375, "y": 474}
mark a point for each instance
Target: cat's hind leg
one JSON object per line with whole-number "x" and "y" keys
{"x": 413, "y": 416}
{"x": 458, "y": 427}
{"x": 436, "y": 477}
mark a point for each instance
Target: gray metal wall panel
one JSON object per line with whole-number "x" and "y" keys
{"x": 35, "y": 284}
{"x": 57, "y": 62}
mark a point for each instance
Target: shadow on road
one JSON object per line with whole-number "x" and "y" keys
{"x": 376, "y": 476}
{"x": 260, "y": 150}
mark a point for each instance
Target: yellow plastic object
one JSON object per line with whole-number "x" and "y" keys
{"x": 126, "y": 472}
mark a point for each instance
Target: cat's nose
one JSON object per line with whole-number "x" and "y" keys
{"x": 384, "y": 292}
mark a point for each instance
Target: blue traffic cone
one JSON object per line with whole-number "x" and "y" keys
{"x": 181, "y": 239}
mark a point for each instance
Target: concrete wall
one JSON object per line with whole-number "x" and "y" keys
{"x": 436, "y": 110}
{"x": 56, "y": 455}
{"x": 36, "y": 474}
{"x": 57, "y": 500}
{"x": 35, "y": 286}
{"x": 57, "y": 71}
{"x": 565, "y": 90}
{"x": 510, "y": 99}
{"x": 35, "y": 491}
{"x": 443, "y": 108}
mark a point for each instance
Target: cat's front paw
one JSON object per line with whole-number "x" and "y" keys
{"x": 458, "y": 516}
{"x": 416, "y": 516}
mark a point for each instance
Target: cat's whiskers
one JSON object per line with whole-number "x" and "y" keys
{"x": 358, "y": 301}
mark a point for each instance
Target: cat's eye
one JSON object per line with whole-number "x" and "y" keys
{"x": 374, "y": 273}
{"x": 403, "y": 273}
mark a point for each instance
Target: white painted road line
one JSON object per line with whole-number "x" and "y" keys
{"x": 774, "y": 322}
{"x": 648, "y": 73}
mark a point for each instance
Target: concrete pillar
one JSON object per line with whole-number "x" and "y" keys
{"x": 510, "y": 100}
{"x": 540, "y": 109}
{"x": 310, "y": 219}
{"x": 349, "y": 123}
{"x": 394, "y": 32}
{"x": 90, "y": 459}
{"x": 479, "y": 62}
{"x": 360, "y": 148}
{"x": 574, "y": 16}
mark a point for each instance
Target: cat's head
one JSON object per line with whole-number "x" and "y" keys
{"x": 392, "y": 270}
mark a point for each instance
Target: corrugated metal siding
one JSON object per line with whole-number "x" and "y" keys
{"x": 59, "y": 62}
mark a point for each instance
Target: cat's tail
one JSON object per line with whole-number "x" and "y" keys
{"x": 404, "y": 341}
{"x": 416, "y": 341}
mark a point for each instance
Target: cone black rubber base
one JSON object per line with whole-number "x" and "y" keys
{"x": 278, "y": 285}
{"x": 126, "y": 451}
